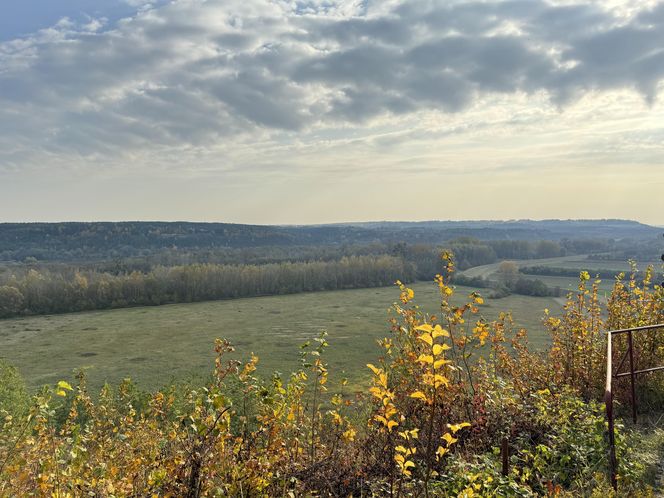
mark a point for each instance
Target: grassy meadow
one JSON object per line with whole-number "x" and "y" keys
{"x": 157, "y": 345}
{"x": 576, "y": 262}
{"x": 593, "y": 267}
{"x": 486, "y": 271}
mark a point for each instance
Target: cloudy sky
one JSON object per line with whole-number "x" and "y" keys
{"x": 330, "y": 110}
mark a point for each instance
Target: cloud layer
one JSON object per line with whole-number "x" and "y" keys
{"x": 329, "y": 110}
{"x": 193, "y": 73}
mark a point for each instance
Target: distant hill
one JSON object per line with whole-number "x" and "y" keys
{"x": 523, "y": 229}
{"x": 70, "y": 241}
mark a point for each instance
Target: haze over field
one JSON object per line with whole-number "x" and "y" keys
{"x": 323, "y": 111}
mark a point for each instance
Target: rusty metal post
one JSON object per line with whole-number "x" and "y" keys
{"x": 608, "y": 393}
{"x": 632, "y": 376}
{"x": 505, "y": 453}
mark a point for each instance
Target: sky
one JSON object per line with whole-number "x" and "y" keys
{"x": 316, "y": 111}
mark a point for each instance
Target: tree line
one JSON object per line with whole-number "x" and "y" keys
{"x": 555, "y": 271}
{"x": 522, "y": 286}
{"x": 47, "y": 291}
{"x": 178, "y": 275}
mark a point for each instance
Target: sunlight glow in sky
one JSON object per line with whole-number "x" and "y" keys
{"x": 312, "y": 111}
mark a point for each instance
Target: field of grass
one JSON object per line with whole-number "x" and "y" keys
{"x": 486, "y": 271}
{"x": 592, "y": 266}
{"x": 156, "y": 345}
{"x": 578, "y": 262}
{"x": 571, "y": 283}
{"x": 582, "y": 263}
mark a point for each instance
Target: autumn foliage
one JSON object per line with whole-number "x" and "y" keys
{"x": 444, "y": 394}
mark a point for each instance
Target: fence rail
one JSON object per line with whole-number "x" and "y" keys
{"x": 608, "y": 391}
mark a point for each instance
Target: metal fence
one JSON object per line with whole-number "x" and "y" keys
{"x": 608, "y": 393}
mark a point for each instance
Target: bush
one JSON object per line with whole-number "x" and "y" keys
{"x": 13, "y": 396}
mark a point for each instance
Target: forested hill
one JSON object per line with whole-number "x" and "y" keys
{"x": 520, "y": 229}
{"x": 71, "y": 241}
{"x": 107, "y": 239}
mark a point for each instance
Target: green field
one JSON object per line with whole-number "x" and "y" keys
{"x": 487, "y": 270}
{"x": 582, "y": 263}
{"x": 577, "y": 262}
{"x": 571, "y": 283}
{"x": 156, "y": 345}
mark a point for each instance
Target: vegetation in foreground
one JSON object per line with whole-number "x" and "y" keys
{"x": 430, "y": 425}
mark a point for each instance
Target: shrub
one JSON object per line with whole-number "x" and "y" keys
{"x": 13, "y": 396}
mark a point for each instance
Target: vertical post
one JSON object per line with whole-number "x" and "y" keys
{"x": 608, "y": 400}
{"x": 632, "y": 375}
{"x": 505, "y": 453}
{"x": 608, "y": 403}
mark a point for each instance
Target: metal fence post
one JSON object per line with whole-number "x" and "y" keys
{"x": 632, "y": 375}
{"x": 608, "y": 403}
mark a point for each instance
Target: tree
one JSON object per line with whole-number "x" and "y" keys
{"x": 11, "y": 301}
{"x": 508, "y": 273}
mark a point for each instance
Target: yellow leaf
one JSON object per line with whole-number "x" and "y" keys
{"x": 383, "y": 379}
{"x": 425, "y": 328}
{"x": 373, "y": 369}
{"x": 439, "y": 363}
{"x": 457, "y": 427}
{"x": 349, "y": 435}
{"x": 425, "y": 358}
{"x": 439, "y": 380}
{"x": 449, "y": 439}
{"x": 438, "y": 331}
{"x": 426, "y": 337}
{"x": 64, "y": 385}
{"x": 401, "y": 449}
{"x": 437, "y": 349}
{"x": 419, "y": 395}
{"x": 391, "y": 423}
{"x": 381, "y": 419}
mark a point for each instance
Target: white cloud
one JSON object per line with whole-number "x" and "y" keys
{"x": 296, "y": 87}
{"x": 139, "y": 3}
